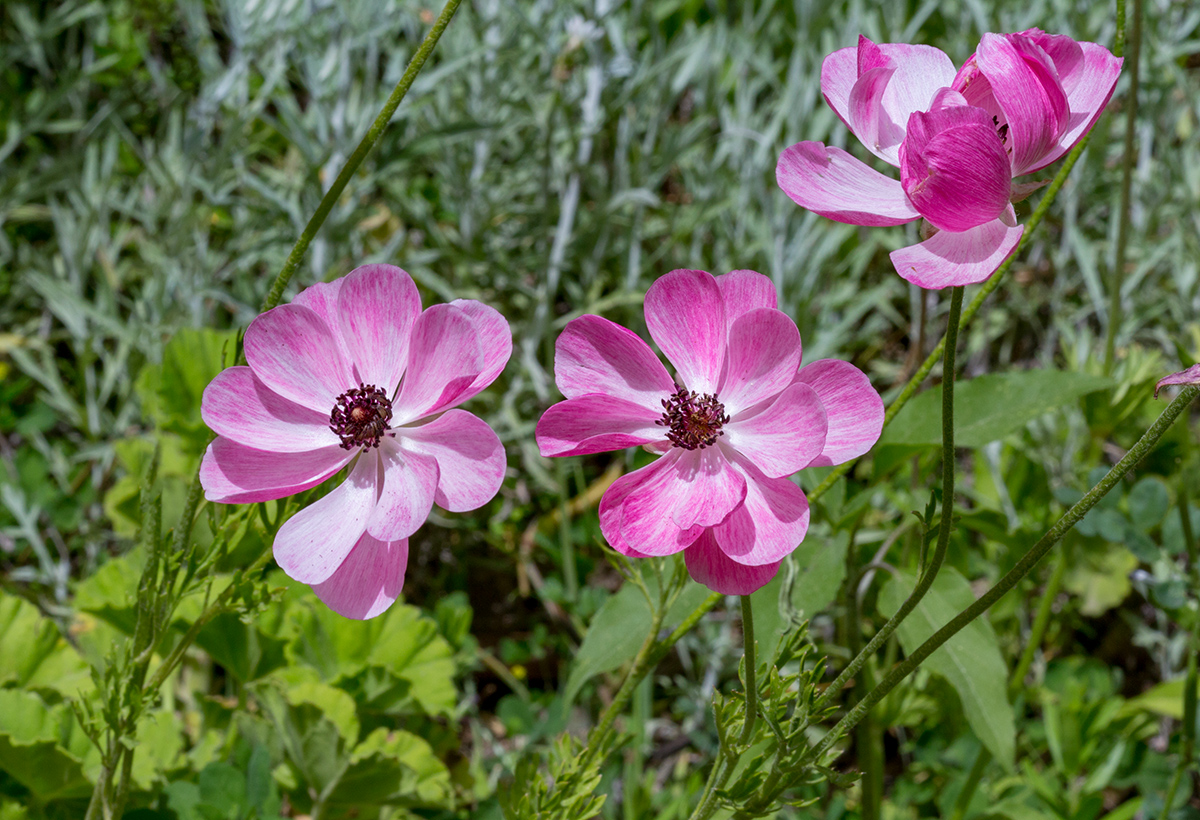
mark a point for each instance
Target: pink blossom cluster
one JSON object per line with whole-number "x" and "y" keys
{"x": 355, "y": 375}
{"x": 959, "y": 139}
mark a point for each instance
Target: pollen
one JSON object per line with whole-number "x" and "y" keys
{"x": 361, "y": 417}
{"x": 693, "y": 421}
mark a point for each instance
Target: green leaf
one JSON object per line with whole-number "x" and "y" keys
{"x": 1100, "y": 577}
{"x": 33, "y": 654}
{"x": 820, "y": 569}
{"x": 170, "y": 392}
{"x": 990, "y": 407}
{"x": 1165, "y": 699}
{"x": 612, "y": 640}
{"x": 970, "y": 661}
{"x": 43, "y": 748}
{"x": 393, "y": 768}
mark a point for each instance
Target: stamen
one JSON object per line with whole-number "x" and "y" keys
{"x": 694, "y": 421}
{"x": 361, "y": 416}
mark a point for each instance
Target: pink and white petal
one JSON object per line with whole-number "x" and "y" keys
{"x": 745, "y": 290}
{"x": 783, "y": 436}
{"x": 233, "y": 473}
{"x": 839, "y": 73}
{"x": 685, "y": 315}
{"x": 947, "y": 259}
{"x": 635, "y": 512}
{"x": 853, "y": 410}
{"x": 707, "y": 489}
{"x": 444, "y": 359}
{"x": 708, "y": 565}
{"x": 834, "y": 184}
{"x": 769, "y": 525}
{"x": 954, "y": 169}
{"x": 1026, "y": 86}
{"x": 920, "y": 72}
{"x": 407, "y": 483}
{"x": 314, "y": 542}
{"x": 594, "y": 355}
{"x": 869, "y": 122}
{"x": 321, "y": 299}
{"x": 1189, "y": 376}
{"x": 295, "y": 353}
{"x": 495, "y": 339}
{"x": 761, "y": 359}
{"x": 368, "y": 581}
{"x": 596, "y": 423}
{"x": 471, "y": 460}
{"x": 238, "y": 406}
{"x": 1089, "y": 88}
{"x": 377, "y": 306}
{"x": 1065, "y": 53}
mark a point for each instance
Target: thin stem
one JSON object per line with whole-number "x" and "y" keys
{"x": 751, "y": 685}
{"x": 910, "y": 388}
{"x": 963, "y": 801}
{"x": 360, "y": 153}
{"x": 1040, "y": 623}
{"x": 1131, "y": 110}
{"x": 935, "y": 563}
{"x": 1013, "y": 576}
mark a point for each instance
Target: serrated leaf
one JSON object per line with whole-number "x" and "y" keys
{"x": 970, "y": 661}
{"x": 34, "y": 654}
{"x": 43, "y": 748}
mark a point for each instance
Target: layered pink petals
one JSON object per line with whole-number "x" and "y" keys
{"x": 233, "y": 473}
{"x": 405, "y": 494}
{"x": 916, "y": 72}
{"x": 834, "y": 184}
{"x": 596, "y": 423}
{"x": 294, "y": 352}
{"x": 238, "y": 406}
{"x": 853, "y": 411}
{"x": 314, "y": 542}
{"x": 445, "y": 358}
{"x": 1089, "y": 84}
{"x": 953, "y": 169}
{"x": 949, "y": 259}
{"x": 594, "y": 355}
{"x": 785, "y": 436}
{"x": 377, "y": 306}
{"x": 353, "y": 369}
{"x": 709, "y": 565}
{"x": 368, "y": 581}
{"x": 762, "y": 356}
{"x": 469, "y": 456}
{"x": 739, "y": 421}
{"x": 769, "y": 525}
{"x": 686, "y": 317}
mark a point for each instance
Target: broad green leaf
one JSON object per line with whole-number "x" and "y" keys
{"x": 817, "y": 566}
{"x": 33, "y": 654}
{"x": 43, "y": 748}
{"x": 619, "y": 629}
{"x": 1100, "y": 577}
{"x": 1165, "y": 699}
{"x": 393, "y": 768}
{"x": 990, "y": 407}
{"x": 970, "y": 661}
{"x": 170, "y": 392}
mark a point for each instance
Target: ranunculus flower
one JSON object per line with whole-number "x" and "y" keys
{"x": 739, "y": 417}
{"x": 354, "y": 371}
{"x": 959, "y": 139}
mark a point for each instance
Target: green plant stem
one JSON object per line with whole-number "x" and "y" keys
{"x": 1040, "y": 623}
{"x": 1131, "y": 111}
{"x": 360, "y": 153}
{"x": 910, "y": 388}
{"x": 1013, "y": 576}
{"x": 963, "y": 801}
{"x": 939, "y": 554}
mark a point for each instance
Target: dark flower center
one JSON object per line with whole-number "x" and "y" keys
{"x": 361, "y": 416}
{"x": 693, "y": 421}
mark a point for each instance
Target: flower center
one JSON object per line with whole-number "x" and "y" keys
{"x": 361, "y": 416}
{"x": 693, "y": 421}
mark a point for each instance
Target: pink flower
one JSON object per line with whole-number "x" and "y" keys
{"x": 738, "y": 418}
{"x": 959, "y": 139}
{"x": 354, "y": 371}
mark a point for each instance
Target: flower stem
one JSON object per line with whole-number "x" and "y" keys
{"x": 939, "y": 554}
{"x": 1131, "y": 110}
{"x": 910, "y": 388}
{"x": 748, "y": 657}
{"x": 360, "y": 153}
{"x": 1013, "y": 576}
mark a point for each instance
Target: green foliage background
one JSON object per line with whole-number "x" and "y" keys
{"x": 158, "y": 160}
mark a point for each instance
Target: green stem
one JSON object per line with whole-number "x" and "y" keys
{"x": 1041, "y": 622}
{"x": 360, "y": 153}
{"x": 910, "y": 388}
{"x": 1131, "y": 110}
{"x": 750, "y": 662}
{"x": 1013, "y": 576}
{"x": 935, "y": 563}
{"x": 963, "y": 801}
